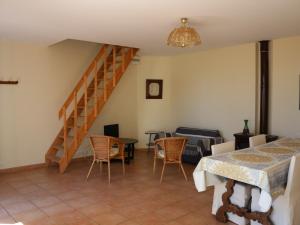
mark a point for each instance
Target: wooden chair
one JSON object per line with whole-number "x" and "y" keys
{"x": 257, "y": 140}
{"x": 106, "y": 148}
{"x": 170, "y": 151}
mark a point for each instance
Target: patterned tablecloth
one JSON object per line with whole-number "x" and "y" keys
{"x": 265, "y": 166}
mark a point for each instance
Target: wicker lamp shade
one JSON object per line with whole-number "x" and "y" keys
{"x": 184, "y": 36}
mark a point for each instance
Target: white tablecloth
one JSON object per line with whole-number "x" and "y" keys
{"x": 264, "y": 166}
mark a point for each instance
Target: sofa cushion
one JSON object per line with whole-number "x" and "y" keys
{"x": 198, "y": 132}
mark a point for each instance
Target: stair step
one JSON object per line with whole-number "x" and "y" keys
{"x": 63, "y": 149}
{"x": 111, "y": 63}
{"x": 53, "y": 158}
{"x": 90, "y": 97}
{"x": 68, "y": 136}
{"x": 71, "y": 126}
{"x": 88, "y": 106}
{"x": 78, "y": 116}
{"x": 58, "y": 147}
{"x": 92, "y": 88}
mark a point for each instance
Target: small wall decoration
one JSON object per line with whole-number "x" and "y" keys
{"x": 9, "y": 82}
{"x": 154, "y": 89}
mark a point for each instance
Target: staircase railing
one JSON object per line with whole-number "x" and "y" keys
{"x": 80, "y": 83}
{"x": 86, "y": 89}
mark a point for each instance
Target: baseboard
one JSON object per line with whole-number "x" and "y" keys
{"x": 41, "y": 165}
{"x": 37, "y": 166}
{"x": 22, "y": 168}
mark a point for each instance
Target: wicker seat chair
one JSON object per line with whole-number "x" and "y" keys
{"x": 106, "y": 148}
{"x": 170, "y": 151}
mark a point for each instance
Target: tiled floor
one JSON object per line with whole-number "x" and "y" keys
{"x": 45, "y": 197}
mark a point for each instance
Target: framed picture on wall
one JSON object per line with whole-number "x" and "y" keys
{"x": 154, "y": 89}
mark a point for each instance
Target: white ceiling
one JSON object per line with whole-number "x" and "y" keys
{"x": 146, "y": 24}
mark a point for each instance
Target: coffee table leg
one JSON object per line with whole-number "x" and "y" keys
{"x": 132, "y": 151}
{"x": 149, "y": 142}
{"x": 127, "y": 158}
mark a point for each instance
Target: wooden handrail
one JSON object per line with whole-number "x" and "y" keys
{"x": 65, "y": 131}
{"x": 95, "y": 89}
{"x": 75, "y": 119}
{"x": 104, "y": 78}
{"x": 81, "y": 81}
{"x": 85, "y": 103}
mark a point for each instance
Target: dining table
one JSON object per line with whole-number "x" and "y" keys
{"x": 265, "y": 166}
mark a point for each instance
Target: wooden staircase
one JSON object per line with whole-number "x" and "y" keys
{"x": 87, "y": 100}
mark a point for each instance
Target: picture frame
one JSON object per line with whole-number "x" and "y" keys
{"x": 154, "y": 88}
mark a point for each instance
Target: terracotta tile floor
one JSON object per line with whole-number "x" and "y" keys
{"x": 45, "y": 197}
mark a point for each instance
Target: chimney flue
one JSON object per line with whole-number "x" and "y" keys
{"x": 264, "y": 87}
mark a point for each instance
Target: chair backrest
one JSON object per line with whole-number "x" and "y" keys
{"x": 293, "y": 181}
{"x": 101, "y": 146}
{"x": 222, "y": 148}
{"x": 173, "y": 147}
{"x": 257, "y": 140}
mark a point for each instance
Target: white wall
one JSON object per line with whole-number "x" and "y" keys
{"x": 29, "y": 111}
{"x": 154, "y": 114}
{"x": 212, "y": 89}
{"x": 285, "y": 113}
{"x": 215, "y": 89}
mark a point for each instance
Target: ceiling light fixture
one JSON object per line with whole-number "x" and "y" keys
{"x": 184, "y": 36}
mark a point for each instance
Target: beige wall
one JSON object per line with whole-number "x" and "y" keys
{"x": 215, "y": 89}
{"x": 285, "y": 113}
{"x": 212, "y": 89}
{"x": 29, "y": 111}
{"x": 154, "y": 114}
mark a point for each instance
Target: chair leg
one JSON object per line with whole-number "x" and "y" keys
{"x": 154, "y": 165}
{"x": 123, "y": 165}
{"x": 90, "y": 170}
{"x": 162, "y": 172}
{"x": 108, "y": 167}
{"x": 101, "y": 167}
{"x": 183, "y": 172}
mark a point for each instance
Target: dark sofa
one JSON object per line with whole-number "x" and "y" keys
{"x": 199, "y": 142}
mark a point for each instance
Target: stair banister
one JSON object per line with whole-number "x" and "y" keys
{"x": 105, "y": 75}
{"x": 81, "y": 81}
{"x": 65, "y": 131}
{"x": 123, "y": 60}
{"x": 114, "y": 66}
{"x": 75, "y": 119}
{"x": 86, "y": 90}
{"x": 85, "y": 103}
{"x": 95, "y": 90}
